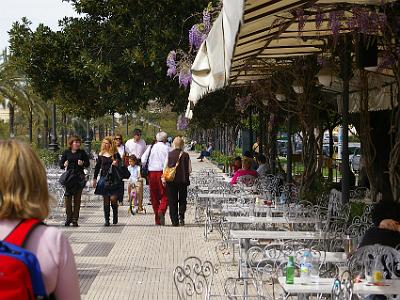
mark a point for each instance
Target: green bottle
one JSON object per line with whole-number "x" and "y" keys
{"x": 290, "y": 270}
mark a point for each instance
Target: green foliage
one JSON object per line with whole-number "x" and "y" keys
{"x": 221, "y": 159}
{"x": 3, "y": 130}
{"x": 320, "y": 187}
{"x": 112, "y": 59}
{"x": 96, "y": 145}
{"x": 198, "y": 147}
{"x": 356, "y": 209}
{"x": 48, "y": 157}
{"x": 237, "y": 152}
{"x": 215, "y": 109}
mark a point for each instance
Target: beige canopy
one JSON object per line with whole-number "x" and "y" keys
{"x": 248, "y": 32}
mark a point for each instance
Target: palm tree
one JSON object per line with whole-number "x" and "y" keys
{"x": 16, "y": 92}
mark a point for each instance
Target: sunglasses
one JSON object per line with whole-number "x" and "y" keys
{"x": 118, "y": 139}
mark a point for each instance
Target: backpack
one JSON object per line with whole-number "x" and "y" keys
{"x": 20, "y": 275}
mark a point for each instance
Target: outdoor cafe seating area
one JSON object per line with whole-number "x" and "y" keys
{"x": 257, "y": 226}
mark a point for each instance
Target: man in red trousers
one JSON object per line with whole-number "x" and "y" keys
{"x": 157, "y": 155}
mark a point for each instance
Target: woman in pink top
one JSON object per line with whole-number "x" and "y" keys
{"x": 245, "y": 170}
{"x": 24, "y": 195}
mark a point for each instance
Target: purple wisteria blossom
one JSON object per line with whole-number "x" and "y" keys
{"x": 171, "y": 64}
{"x": 182, "y": 122}
{"x": 185, "y": 77}
{"x": 366, "y": 21}
{"x": 196, "y": 37}
{"x": 334, "y": 22}
{"x": 206, "y": 21}
{"x": 319, "y": 18}
{"x": 388, "y": 60}
{"x": 301, "y": 19}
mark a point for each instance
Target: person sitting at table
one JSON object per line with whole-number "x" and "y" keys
{"x": 236, "y": 165}
{"x": 253, "y": 163}
{"x": 262, "y": 169}
{"x": 386, "y": 229}
{"x": 245, "y": 170}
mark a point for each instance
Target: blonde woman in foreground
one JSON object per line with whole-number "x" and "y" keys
{"x": 24, "y": 195}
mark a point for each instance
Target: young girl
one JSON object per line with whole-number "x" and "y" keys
{"x": 132, "y": 184}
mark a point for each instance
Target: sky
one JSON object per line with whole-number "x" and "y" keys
{"x": 47, "y": 12}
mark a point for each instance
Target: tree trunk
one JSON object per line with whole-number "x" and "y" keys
{"x": 309, "y": 155}
{"x": 30, "y": 125}
{"x": 46, "y": 131}
{"x": 11, "y": 110}
{"x": 369, "y": 152}
{"x": 330, "y": 164}
{"x": 394, "y": 155}
{"x": 320, "y": 155}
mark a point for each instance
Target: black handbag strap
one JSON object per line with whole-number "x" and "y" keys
{"x": 148, "y": 157}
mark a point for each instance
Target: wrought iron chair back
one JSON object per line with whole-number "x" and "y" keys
{"x": 342, "y": 288}
{"x": 194, "y": 278}
{"x": 366, "y": 258}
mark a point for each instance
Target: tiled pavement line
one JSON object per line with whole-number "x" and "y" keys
{"x": 135, "y": 259}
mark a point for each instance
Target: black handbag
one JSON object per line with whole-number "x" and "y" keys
{"x": 144, "y": 171}
{"x": 69, "y": 179}
{"x": 122, "y": 171}
{"x": 113, "y": 180}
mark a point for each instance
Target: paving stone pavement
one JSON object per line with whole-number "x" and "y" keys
{"x": 135, "y": 259}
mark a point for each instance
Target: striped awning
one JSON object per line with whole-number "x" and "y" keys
{"x": 248, "y": 32}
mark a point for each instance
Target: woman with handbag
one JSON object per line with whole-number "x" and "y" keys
{"x": 176, "y": 173}
{"x": 74, "y": 160}
{"x": 108, "y": 184}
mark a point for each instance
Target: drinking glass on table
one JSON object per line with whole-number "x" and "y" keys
{"x": 314, "y": 267}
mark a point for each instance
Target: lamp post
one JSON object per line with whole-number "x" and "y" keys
{"x": 53, "y": 145}
{"x": 88, "y": 141}
{"x": 281, "y": 97}
{"x": 127, "y": 126}
{"x": 113, "y": 125}
{"x": 142, "y": 121}
{"x": 345, "y": 70}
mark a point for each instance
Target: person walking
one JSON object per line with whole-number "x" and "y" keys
{"x": 177, "y": 189}
{"x": 119, "y": 143}
{"x": 25, "y": 197}
{"x": 136, "y": 145}
{"x": 74, "y": 159}
{"x": 156, "y": 156}
{"x": 108, "y": 157}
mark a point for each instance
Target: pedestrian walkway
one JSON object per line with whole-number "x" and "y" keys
{"x": 135, "y": 259}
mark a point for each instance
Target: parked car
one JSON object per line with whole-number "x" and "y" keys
{"x": 282, "y": 147}
{"x": 355, "y": 161}
{"x": 353, "y": 147}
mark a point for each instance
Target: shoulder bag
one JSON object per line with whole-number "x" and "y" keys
{"x": 113, "y": 180}
{"x": 169, "y": 172}
{"x": 122, "y": 170}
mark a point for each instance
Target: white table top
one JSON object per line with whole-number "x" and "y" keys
{"x": 277, "y": 235}
{"x": 271, "y": 220}
{"x": 257, "y": 209}
{"x": 223, "y": 196}
{"x": 324, "y": 286}
{"x": 216, "y": 196}
{"x": 327, "y": 257}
